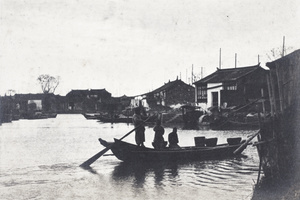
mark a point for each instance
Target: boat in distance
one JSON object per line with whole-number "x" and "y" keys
{"x": 91, "y": 115}
{"x": 115, "y": 119}
{"x": 128, "y": 152}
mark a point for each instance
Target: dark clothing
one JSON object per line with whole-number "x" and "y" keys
{"x": 159, "y": 141}
{"x": 173, "y": 139}
{"x": 140, "y": 131}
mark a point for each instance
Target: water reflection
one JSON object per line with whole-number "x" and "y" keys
{"x": 43, "y": 156}
{"x": 209, "y": 174}
{"x": 139, "y": 171}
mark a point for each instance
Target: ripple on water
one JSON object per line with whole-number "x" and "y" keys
{"x": 40, "y": 160}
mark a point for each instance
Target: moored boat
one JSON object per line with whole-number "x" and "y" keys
{"x": 91, "y": 115}
{"x": 191, "y": 115}
{"x": 126, "y": 119}
{"x": 115, "y": 119}
{"x": 39, "y": 115}
{"x": 132, "y": 153}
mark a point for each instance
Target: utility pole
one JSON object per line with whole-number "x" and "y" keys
{"x": 283, "y": 48}
{"x": 192, "y": 79}
{"x": 235, "y": 60}
{"x": 220, "y": 59}
{"x": 258, "y": 59}
{"x": 201, "y": 72}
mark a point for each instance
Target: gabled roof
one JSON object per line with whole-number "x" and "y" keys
{"x": 231, "y": 74}
{"x": 87, "y": 92}
{"x": 169, "y": 85}
{"x": 124, "y": 97}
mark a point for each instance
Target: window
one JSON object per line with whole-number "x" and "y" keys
{"x": 230, "y": 87}
{"x": 202, "y": 92}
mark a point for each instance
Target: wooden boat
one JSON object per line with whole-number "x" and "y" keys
{"x": 51, "y": 115}
{"x": 191, "y": 115}
{"x": 131, "y": 153}
{"x": 125, "y": 119}
{"x": 115, "y": 119}
{"x": 91, "y": 116}
{"x": 39, "y": 115}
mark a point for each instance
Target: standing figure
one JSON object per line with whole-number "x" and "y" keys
{"x": 173, "y": 139}
{"x": 140, "y": 128}
{"x": 159, "y": 142}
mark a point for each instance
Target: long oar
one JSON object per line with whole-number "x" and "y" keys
{"x": 98, "y": 155}
{"x": 244, "y": 145}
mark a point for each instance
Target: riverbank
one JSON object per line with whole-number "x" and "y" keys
{"x": 288, "y": 189}
{"x": 283, "y": 190}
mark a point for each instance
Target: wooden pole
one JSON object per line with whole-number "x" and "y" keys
{"x": 279, "y": 88}
{"x": 235, "y": 60}
{"x": 220, "y": 59}
{"x": 283, "y": 48}
{"x": 271, "y": 100}
{"x": 272, "y": 84}
{"x": 263, "y": 100}
{"x": 192, "y": 74}
{"x": 244, "y": 145}
{"x": 259, "y": 148}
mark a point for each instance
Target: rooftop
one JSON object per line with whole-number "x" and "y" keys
{"x": 230, "y": 74}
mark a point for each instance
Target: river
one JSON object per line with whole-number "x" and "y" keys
{"x": 39, "y": 159}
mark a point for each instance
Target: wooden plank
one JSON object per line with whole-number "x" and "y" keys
{"x": 263, "y": 102}
{"x": 279, "y": 87}
{"x": 273, "y": 92}
{"x": 270, "y": 95}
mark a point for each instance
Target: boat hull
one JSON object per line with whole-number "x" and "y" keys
{"x": 115, "y": 120}
{"x": 91, "y": 116}
{"x": 131, "y": 153}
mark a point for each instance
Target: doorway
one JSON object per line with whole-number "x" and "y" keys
{"x": 215, "y": 98}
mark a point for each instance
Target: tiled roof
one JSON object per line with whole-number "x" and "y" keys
{"x": 86, "y": 92}
{"x": 231, "y": 74}
{"x": 169, "y": 85}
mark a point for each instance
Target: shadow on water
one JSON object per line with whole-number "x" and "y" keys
{"x": 202, "y": 171}
{"x": 227, "y": 176}
{"x": 138, "y": 172}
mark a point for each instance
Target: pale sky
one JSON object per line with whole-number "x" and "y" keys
{"x": 134, "y": 46}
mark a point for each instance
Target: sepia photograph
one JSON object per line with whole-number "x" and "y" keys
{"x": 149, "y": 100}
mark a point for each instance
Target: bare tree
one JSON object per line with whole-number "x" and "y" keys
{"x": 278, "y": 52}
{"x": 48, "y": 83}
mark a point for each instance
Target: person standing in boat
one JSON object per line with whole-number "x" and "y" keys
{"x": 173, "y": 139}
{"x": 159, "y": 142}
{"x": 140, "y": 127}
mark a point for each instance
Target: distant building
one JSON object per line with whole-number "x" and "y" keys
{"x": 232, "y": 87}
{"x": 35, "y": 102}
{"x": 123, "y": 102}
{"x": 171, "y": 93}
{"x": 88, "y": 100}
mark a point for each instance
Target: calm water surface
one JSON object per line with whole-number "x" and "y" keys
{"x": 39, "y": 159}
